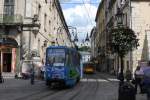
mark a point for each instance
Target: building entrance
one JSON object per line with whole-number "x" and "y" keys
{"x": 7, "y": 58}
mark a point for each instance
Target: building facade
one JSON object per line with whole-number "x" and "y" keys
{"x": 27, "y": 27}
{"x": 101, "y": 35}
{"x": 132, "y": 18}
{"x": 86, "y": 56}
{"x": 93, "y": 41}
{"x": 140, "y": 23}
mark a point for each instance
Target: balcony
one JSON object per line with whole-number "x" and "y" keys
{"x": 11, "y": 19}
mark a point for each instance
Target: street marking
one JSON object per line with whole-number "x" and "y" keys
{"x": 102, "y": 80}
{"x": 115, "y": 80}
{"x": 7, "y": 77}
{"x": 83, "y": 80}
{"x": 94, "y": 80}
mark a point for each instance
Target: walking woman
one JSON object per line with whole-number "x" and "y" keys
{"x": 138, "y": 79}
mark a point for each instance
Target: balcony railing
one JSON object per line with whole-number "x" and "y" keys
{"x": 11, "y": 19}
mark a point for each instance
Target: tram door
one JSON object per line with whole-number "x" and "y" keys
{"x": 7, "y": 58}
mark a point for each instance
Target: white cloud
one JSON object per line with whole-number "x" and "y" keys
{"x": 82, "y": 17}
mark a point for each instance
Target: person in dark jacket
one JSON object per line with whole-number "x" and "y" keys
{"x": 146, "y": 81}
{"x": 138, "y": 79}
{"x": 128, "y": 75}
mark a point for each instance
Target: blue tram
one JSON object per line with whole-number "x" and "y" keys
{"x": 62, "y": 66}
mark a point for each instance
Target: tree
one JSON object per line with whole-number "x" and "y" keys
{"x": 122, "y": 40}
{"x": 84, "y": 48}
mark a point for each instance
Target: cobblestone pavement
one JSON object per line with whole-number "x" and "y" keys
{"x": 97, "y": 86}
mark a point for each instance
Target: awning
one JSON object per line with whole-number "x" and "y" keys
{"x": 8, "y": 42}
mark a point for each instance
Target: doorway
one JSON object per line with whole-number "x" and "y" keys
{"x": 7, "y": 58}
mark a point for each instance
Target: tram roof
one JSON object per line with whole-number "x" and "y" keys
{"x": 62, "y": 47}
{"x": 57, "y": 47}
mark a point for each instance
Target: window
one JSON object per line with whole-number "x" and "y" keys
{"x": 127, "y": 65}
{"x": 39, "y": 10}
{"x": 56, "y": 57}
{"x": 9, "y": 7}
{"x": 39, "y": 45}
{"x": 49, "y": 25}
{"x": 126, "y": 19}
{"x": 45, "y": 1}
{"x": 45, "y": 20}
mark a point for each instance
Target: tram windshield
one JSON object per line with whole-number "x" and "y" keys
{"x": 56, "y": 57}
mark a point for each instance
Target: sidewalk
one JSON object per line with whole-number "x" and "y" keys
{"x": 8, "y": 75}
{"x": 113, "y": 78}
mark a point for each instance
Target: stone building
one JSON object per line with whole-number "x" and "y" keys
{"x": 93, "y": 42}
{"x": 100, "y": 35}
{"x": 27, "y": 27}
{"x": 132, "y": 18}
{"x": 140, "y": 23}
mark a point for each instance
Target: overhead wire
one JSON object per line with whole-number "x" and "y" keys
{"x": 87, "y": 12}
{"x": 34, "y": 4}
{"x": 89, "y": 17}
{"x": 77, "y": 3}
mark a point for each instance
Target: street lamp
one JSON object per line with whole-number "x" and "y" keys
{"x": 74, "y": 33}
{"x": 119, "y": 17}
{"x": 76, "y": 38}
{"x": 59, "y": 30}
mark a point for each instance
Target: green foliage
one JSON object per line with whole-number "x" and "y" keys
{"x": 84, "y": 48}
{"x": 123, "y": 40}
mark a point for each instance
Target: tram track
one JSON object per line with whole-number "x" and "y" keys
{"x": 65, "y": 93}
{"x": 81, "y": 92}
{"x": 89, "y": 88}
{"x": 92, "y": 88}
{"x": 36, "y": 95}
{"x": 45, "y": 94}
{"x": 77, "y": 93}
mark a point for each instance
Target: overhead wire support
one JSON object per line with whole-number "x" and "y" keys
{"x": 87, "y": 12}
{"x": 76, "y": 3}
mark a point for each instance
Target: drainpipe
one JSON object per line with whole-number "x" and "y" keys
{"x": 1, "y": 77}
{"x": 130, "y": 53}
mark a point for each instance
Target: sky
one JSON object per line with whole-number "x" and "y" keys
{"x": 80, "y": 14}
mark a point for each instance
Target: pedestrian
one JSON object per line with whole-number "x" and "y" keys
{"x": 146, "y": 85}
{"x": 138, "y": 78}
{"x": 128, "y": 75}
{"x": 146, "y": 81}
{"x": 121, "y": 78}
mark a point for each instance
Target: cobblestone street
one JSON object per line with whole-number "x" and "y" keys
{"x": 92, "y": 87}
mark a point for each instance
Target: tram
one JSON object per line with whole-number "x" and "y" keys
{"x": 62, "y": 66}
{"x": 89, "y": 68}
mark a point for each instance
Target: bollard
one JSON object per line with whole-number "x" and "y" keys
{"x": 126, "y": 92}
{"x": 32, "y": 74}
{"x": 1, "y": 79}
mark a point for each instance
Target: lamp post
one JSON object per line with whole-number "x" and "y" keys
{"x": 58, "y": 31}
{"x": 119, "y": 17}
{"x": 75, "y": 38}
{"x": 74, "y": 33}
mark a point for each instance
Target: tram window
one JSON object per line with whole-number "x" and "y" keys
{"x": 67, "y": 60}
